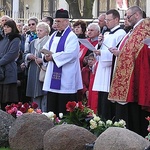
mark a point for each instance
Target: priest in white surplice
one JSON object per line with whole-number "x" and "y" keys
{"x": 103, "y": 73}
{"x": 63, "y": 74}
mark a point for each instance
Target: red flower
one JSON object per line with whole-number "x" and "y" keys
{"x": 80, "y": 105}
{"x": 71, "y": 106}
{"x": 26, "y": 105}
{"x": 23, "y": 109}
{"x": 12, "y": 105}
{"x": 148, "y": 118}
{"x": 8, "y": 107}
{"x": 15, "y": 105}
{"x": 19, "y": 105}
{"x": 10, "y": 111}
{"x": 14, "y": 109}
{"x": 34, "y": 105}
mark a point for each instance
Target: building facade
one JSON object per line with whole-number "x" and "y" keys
{"x": 23, "y": 9}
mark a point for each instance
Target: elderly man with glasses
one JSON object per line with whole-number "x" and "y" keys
{"x": 130, "y": 83}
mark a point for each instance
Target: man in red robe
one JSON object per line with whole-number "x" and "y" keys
{"x": 131, "y": 80}
{"x": 93, "y": 31}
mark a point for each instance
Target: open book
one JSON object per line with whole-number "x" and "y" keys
{"x": 45, "y": 51}
{"x": 87, "y": 44}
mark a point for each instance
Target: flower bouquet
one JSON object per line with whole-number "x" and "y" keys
{"x": 18, "y": 109}
{"x": 77, "y": 114}
{"x": 97, "y": 126}
{"x": 83, "y": 116}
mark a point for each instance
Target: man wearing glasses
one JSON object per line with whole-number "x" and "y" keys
{"x": 103, "y": 73}
{"x": 130, "y": 83}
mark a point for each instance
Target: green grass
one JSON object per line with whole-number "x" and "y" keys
{"x": 4, "y": 148}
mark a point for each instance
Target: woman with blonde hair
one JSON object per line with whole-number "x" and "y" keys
{"x": 34, "y": 59}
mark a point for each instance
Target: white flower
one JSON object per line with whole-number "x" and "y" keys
{"x": 92, "y": 121}
{"x": 109, "y": 122}
{"x": 122, "y": 122}
{"x": 94, "y": 115}
{"x": 96, "y": 118}
{"x": 50, "y": 115}
{"x": 116, "y": 124}
{"x": 60, "y": 115}
{"x": 93, "y": 124}
{"x": 101, "y": 123}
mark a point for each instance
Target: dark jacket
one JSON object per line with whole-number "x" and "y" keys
{"x": 9, "y": 49}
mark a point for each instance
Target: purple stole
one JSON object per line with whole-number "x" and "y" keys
{"x": 57, "y": 72}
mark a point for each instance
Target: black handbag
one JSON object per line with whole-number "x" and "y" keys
{"x": 2, "y": 73}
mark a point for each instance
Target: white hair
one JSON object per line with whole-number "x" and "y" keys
{"x": 44, "y": 25}
{"x": 94, "y": 25}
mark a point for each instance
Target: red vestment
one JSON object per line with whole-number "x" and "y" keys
{"x": 132, "y": 75}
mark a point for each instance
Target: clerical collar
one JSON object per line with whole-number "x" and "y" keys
{"x": 114, "y": 28}
{"x": 59, "y": 33}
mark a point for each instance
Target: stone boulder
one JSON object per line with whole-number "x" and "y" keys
{"x": 67, "y": 137}
{"x": 28, "y": 131}
{"x": 115, "y": 138}
{"x": 6, "y": 121}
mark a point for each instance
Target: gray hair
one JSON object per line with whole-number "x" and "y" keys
{"x": 94, "y": 25}
{"x": 136, "y": 9}
{"x": 45, "y": 26}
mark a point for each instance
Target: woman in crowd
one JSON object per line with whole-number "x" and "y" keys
{"x": 79, "y": 28}
{"x": 31, "y": 34}
{"x": 34, "y": 59}
{"x": 8, "y": 53}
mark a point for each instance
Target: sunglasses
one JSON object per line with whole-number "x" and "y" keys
{"x": 31, "y": 24}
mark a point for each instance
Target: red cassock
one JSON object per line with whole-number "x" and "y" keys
{"x": 88, "y": 78}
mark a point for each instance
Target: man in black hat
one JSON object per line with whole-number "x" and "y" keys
{"x": 63, "y": 75}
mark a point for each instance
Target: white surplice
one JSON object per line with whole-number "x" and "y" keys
{"x": 71, "y": 79}
{"x": 103, "y": 73}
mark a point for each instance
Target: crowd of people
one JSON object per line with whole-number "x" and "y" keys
{"x": 112, "y": 78}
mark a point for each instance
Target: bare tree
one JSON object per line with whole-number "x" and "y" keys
{"x": 75, "y": 9}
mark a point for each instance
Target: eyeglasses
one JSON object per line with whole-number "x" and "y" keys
{"x": 128, "y": 17}
{"x": 31, "y": 24}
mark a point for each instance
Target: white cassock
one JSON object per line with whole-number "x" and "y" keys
{"x": 103, "y": 73}
{"x": 71, "y": 79}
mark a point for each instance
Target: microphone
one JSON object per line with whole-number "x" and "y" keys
{"x": 104, "y": 29}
